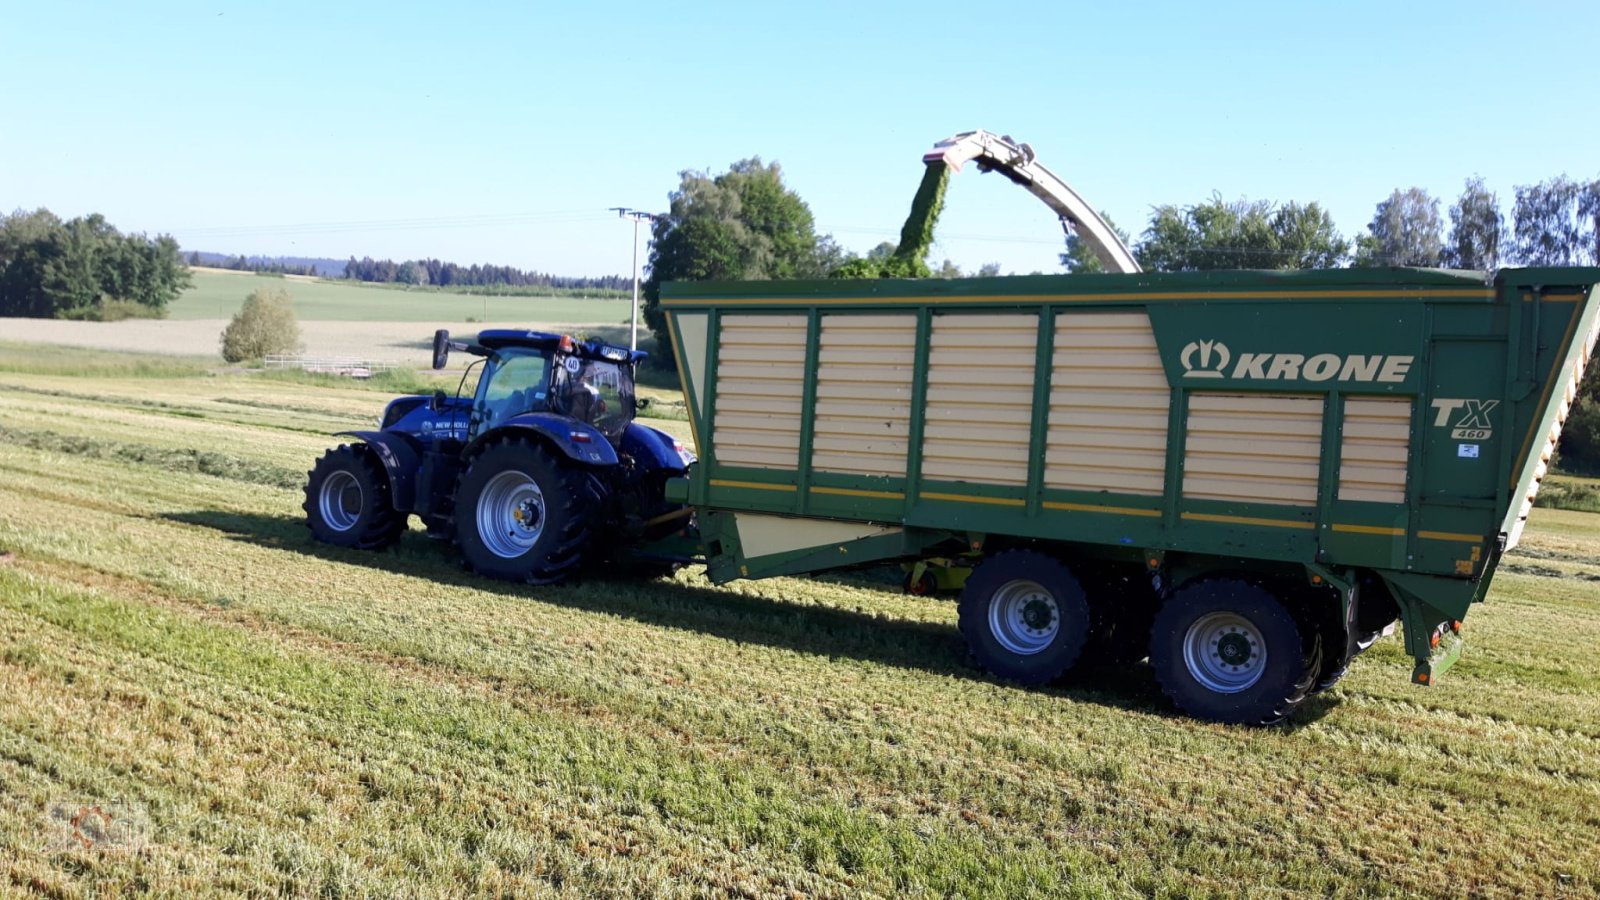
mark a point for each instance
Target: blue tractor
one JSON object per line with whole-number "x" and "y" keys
{"x": 541, "y": 471}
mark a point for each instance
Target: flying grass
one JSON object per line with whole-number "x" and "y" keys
{"x": 276, "y": 716}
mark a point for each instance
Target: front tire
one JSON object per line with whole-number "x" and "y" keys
{"x": 1227, "y": 650}
{"x": 1024, "y": 616}
{"x": 524, "y": 515}
{"x": 348, "y": 501}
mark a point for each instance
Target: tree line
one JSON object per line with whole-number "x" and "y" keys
{"x": 1555, "y": 222}
{"x": 448, "y": 274}
{"x": 242, "y": 263}
{"x": 83, "y": 268}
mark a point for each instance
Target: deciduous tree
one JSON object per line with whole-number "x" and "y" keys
{"x": 1240, "y": 235}
{"x": 1475, "y": 227}
{"x": 1405, "y": 231}
{"x": 742, "y": 224}
{"x": 1557, "y": 223}
{"x": 263, "y": 326}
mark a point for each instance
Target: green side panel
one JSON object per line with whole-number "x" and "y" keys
{"x": 1476, "y": 371}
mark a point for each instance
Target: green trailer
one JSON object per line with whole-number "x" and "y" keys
{"x": 1247, "y": 477}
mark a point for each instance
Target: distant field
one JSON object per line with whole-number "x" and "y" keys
{"x": 381, "y": 324}
{"x": 228, "y": 708}
{"x": 217, "y": 294}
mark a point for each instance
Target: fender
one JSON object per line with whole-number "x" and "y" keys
{"x": 655, "y": 451}
{"x": 576, "y": 440}
{"x": 400, "y": 458}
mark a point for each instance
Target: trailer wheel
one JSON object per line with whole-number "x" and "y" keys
{"x": 347, "y": 500}
{"x": 523, "y": 515}
{"x": 1024, "y": 616}
{"x": 1227, "y": 650}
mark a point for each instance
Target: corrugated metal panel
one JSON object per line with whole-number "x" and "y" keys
{"x": 1375, "y": 449}
{"x": 760, "y": 387}
{"x": 1108, "y": 406}
{"x": 863, "y": 410}
{"x": 980, "y": 398}
{"x": 1258, "y": 448}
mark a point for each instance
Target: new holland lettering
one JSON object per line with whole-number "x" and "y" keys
{"x": 1209, "y": 359}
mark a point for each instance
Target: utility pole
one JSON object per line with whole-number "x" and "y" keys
{"x": 625, "y": 213}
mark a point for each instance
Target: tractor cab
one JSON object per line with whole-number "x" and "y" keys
{"x": 538, "y": 372}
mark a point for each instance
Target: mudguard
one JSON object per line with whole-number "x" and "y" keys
{"x": 575, "y": 440}
{"x": 400, "y": 458}
{"x": 655, "y": 451}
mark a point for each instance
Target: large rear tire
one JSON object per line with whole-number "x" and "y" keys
{"x": 1227, "y": 650}
{"x": 1024, "y": 616}
{"x": 348, "y": 502}
{"x": 524, "y": 515}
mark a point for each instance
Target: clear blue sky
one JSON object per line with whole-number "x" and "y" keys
{"x": 501, "y": 132}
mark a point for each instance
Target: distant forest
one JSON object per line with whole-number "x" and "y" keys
{"x": 448, "y": 274}
{"x": 280, "y": 265}
{"x": 419, "y": 272}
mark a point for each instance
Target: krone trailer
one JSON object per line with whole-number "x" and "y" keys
{"x": 1247, "y": 477}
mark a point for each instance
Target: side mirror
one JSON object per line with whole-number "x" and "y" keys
{"x": 438, "y": 401}
{"x": 441, "y": 348}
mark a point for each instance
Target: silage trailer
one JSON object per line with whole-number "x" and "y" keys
{"x": 1246, "y": 476}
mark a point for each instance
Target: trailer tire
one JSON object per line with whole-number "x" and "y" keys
{"x": 1025, "y": 616}
{"x": 1327, "y": 680}
{"x": 348, "y": 501}
{"x": 1228, "y": 650}
{"x": 522, "y": 514}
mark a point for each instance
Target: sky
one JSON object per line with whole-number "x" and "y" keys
{"x": 503, "y": 131}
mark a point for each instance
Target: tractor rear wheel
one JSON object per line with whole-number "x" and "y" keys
{"x": 1228, "y": 650}
{"x": 524, "y": 515}
{"x": 1024, "y": 616}
{"x": 347, "y": 500}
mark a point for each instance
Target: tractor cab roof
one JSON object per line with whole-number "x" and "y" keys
{"x": 497, "y": 338}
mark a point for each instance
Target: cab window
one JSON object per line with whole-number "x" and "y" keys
{"x": 515, "y": 386}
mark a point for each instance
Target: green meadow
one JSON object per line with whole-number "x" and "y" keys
{"x": 217, "y": 294}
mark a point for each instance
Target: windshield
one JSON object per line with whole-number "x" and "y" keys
{"x": 594, "y": 391}
{"x": 514, "y": 383}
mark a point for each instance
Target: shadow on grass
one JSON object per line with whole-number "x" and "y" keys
{"x": 725, "y": 613}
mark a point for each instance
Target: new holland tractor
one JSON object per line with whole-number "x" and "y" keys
{"x": 540, "y": 471}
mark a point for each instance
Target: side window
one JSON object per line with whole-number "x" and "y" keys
{"x": 516, "y": 387}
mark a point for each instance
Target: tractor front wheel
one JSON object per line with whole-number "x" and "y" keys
{"x": 347, "y": 500}
{"x": 523, "y": 515}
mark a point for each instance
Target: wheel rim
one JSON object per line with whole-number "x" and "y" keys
{"x": 1225, "y": 652}
{"x": 510, "y": 514}
{"x": 1024, "y": 617}
{"x": 340, "y": 501}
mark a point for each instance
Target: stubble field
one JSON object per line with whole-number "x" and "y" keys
{"x": 223, "y": 706}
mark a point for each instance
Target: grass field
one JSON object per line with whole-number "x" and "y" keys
{"x": 225, "y": 707}
{"x": 218, "y": 293}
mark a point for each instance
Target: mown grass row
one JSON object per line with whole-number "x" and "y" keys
{"x": 292, "y": 718}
